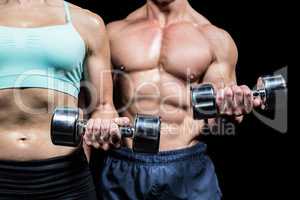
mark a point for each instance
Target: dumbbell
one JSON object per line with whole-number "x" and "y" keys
{"x": 67, "y": 129}
{"x": 203, "y": 97}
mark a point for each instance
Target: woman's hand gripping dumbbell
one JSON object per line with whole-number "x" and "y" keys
{"x": 67, "y": 129}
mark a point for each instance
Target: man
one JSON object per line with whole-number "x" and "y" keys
{"x": 162, "y": 49}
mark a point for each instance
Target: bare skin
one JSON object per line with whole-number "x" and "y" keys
{"x": 163, "y": 48}
{"x": 26, "y": 135}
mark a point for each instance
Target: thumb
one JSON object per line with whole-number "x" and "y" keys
{"x": 257, "y": 102}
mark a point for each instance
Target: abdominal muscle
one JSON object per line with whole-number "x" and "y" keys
{"x": 25, "y": 116}
{"x": 178, "y": 129}
{"x": 157, "y": 92}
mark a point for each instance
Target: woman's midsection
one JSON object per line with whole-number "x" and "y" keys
{"x": 25, "y": 116}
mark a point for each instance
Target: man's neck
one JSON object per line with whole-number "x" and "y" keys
{"x": 167, "y": 13}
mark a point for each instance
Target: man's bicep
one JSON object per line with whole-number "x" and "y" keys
{"x": 222, "y": 70}
{"x": 220, "y": 75}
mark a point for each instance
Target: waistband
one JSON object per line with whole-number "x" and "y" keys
{"x": 194, "y": 152}
{"x": 60, "y": 161}
{"x": 48, "y": 178}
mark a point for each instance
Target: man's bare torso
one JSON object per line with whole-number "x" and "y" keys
{"x": 160, "y": 65}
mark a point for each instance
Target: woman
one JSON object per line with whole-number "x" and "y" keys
{"x": 45, "y": 46}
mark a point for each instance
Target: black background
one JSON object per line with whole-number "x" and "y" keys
{"x": 256, "y": 163}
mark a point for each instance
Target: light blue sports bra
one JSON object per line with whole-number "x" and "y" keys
{"x": 49, "y": 57}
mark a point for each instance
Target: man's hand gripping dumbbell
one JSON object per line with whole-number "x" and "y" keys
{"x": 207, "y": 103}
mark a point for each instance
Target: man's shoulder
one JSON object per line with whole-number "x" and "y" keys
{"x": 207, "y": 28}
{"x": 217, "y": 36}
{"x": 213, "y": 32}
{"x": 132, "y": 19}
{"x": 221, "y": 41}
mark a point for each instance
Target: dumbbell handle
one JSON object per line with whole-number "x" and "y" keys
{"x": 126, "y": 131}
{"x": 259, "y": 93}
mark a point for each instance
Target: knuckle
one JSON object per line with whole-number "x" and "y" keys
{"x": 244, "y": 87}
{"x": 96, "y": 129}
{"x": 105, "y": 129}
{"x": 228, "y": 93}
{"x": 220, "y": 96}
{"x": 238, "y": 91}
{"x": 87, "y": 134}
{"x": 96, "y": 134}
{"x": 234, "y": 87}
{"x": 89, "y": 128}
{"x": 248, "y": 93}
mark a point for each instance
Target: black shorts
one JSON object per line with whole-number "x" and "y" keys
{"x": 60, "y": 178}
{"x": 174, "y": 175}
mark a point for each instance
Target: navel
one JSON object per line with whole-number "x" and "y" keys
{"x": 22, "y": 139}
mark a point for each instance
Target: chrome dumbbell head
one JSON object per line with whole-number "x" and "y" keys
{"x": 146, "y": 137}
{"x": 203, "y": 99}
{"x": 268, "y": 88}
{"x": 64, "y": 127}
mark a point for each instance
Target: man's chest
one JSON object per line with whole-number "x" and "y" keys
{"x": 179, "y": 49}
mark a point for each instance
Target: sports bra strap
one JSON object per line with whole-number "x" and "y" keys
{"x": 67, "y": 12}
